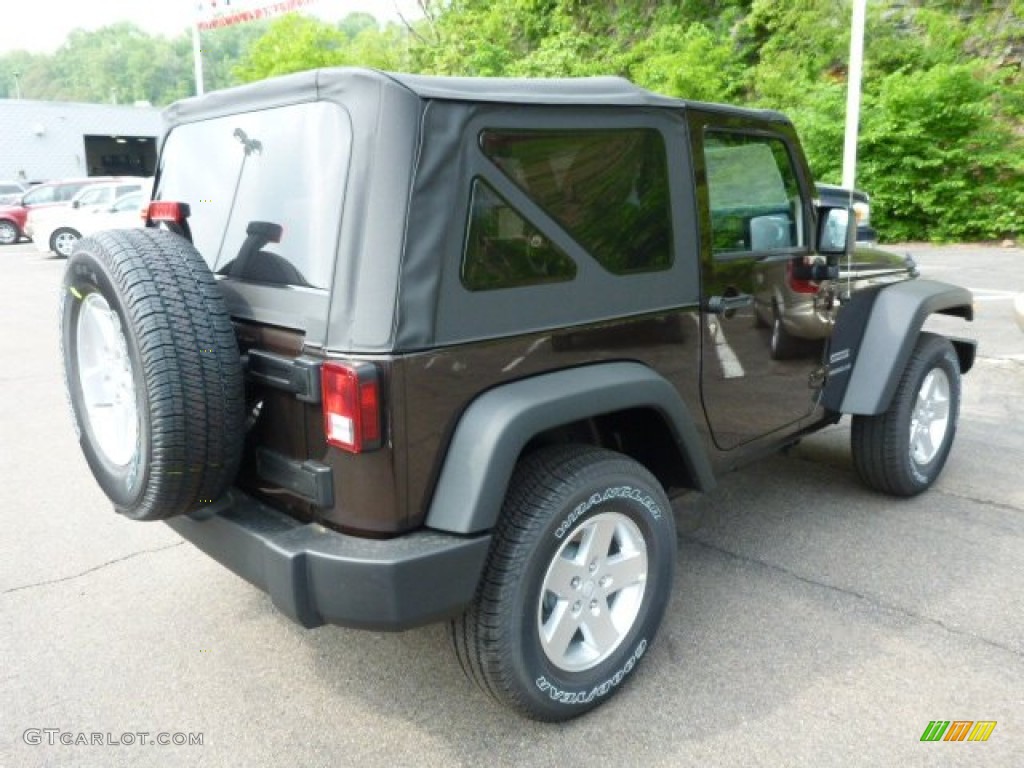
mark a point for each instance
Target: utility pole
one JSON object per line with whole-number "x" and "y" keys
{"x": 853, "y": 93}
{"x": 197, "y": 57}
{"x": 17, "y": 85}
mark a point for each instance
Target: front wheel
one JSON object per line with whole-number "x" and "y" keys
{"x": 902, "y": 451}
{"x": 576, "y": 584}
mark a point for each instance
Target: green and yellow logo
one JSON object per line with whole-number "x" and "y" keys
{"x": 958, "y": 730}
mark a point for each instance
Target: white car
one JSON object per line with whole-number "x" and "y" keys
{"x": 76, "y": 223}
{"x": 56, "y": 229}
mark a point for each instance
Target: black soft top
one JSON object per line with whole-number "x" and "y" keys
{"x": 414, "y": 154}
{"x": 584, "y": 91}
{"x": 345, "y": 84}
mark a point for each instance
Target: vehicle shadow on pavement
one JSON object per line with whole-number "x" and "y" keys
{"x": 782, "y": 594}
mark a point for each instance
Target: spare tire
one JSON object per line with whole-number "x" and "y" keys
{"x": 153, "y": 372}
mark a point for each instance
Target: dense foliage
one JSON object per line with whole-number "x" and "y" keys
{"x": 942, "y": 127}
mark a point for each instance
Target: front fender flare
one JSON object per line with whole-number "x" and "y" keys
{"x": 496, "y": 427}
{"x": 875, "y": 335}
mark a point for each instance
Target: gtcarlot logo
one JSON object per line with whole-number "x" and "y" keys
{"x": 58, "y": 737}
{"x": 958, "y": 730}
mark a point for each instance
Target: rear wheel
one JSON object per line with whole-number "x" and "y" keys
{"x": 152, "y": 371}
{"x": 8, "y": 232}
{"x": 63, "y": 240}
{"x": 576, "y": 584}
{"x": 902, "y": 451}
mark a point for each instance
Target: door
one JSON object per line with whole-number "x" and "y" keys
{"x": 765, "y": 319}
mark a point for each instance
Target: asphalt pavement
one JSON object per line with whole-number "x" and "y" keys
{"x": 813, "y": 622}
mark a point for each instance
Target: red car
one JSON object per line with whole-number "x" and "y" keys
{"x": 12, "y": 217}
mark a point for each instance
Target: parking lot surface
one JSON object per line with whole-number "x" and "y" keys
{"x": 813, "y": 623}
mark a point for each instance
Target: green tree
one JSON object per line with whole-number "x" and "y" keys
{"x": 943, "y": 104}
{"x": 294, "y": 43}
{"x": 687, "y": 61}
{"x": 119, "y": 63}
{"x": 222, "y": 49}
{"x": 25, "y": 74}
{"x": 939, "y": 164}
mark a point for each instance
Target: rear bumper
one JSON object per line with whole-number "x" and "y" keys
{"x": 318, "y": 576}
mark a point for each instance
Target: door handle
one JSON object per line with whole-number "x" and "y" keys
{"x": 726, "y": 305}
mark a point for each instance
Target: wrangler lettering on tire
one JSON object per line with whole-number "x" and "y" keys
{"x": 577, "y": 581}
{"x": 152, "y": 372}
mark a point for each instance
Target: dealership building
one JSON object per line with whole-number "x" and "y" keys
{"x": 42, "y": 140}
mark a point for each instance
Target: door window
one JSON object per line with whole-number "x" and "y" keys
{"x": 753, "y": 194}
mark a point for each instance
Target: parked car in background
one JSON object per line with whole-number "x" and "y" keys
{"x": 57, "y": 228}
{"x": 53, "y": 193}
{"x": 11, "y": 190}
{"x": 796, "y": 295}
{"x": 832, "y": 194}
{"x": 796, "y": 298}
{"x": 126, "y": 212}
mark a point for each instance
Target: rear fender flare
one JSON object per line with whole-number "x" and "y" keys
{"x": 496, "y": 427}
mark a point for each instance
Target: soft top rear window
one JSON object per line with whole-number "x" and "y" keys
{"x": 265, "y": 190}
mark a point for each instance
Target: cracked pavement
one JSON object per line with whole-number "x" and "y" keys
{"x": 813, "y": 623}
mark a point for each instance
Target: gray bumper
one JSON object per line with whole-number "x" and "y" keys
{"x": 318, "y": 576}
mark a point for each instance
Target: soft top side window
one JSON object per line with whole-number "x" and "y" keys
{"x": 608, "y": 189}
{"x": 503, "y": 250}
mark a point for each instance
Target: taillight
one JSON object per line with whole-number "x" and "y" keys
{"x": 351, "y": 399}
{"x": 798, "y": 284}
{"x": 169, "y": 212}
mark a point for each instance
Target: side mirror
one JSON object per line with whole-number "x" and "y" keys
{"x": 833, "y": 226}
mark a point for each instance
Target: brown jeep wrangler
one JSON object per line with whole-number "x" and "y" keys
{"x": 401, "y": 349}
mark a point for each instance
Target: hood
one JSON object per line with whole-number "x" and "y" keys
{"x": 874, "y": 263}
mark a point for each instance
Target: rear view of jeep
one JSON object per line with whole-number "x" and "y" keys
{"x": 400, "y": 349}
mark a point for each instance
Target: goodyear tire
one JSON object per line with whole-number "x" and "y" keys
{"x": 152, "y": 371}
{"x": 576, "y": 584}
{"x": 902, "y": 451}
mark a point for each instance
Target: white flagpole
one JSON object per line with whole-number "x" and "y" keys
{"x": 853, "y": 93}
{"x": 197, "y": 57}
